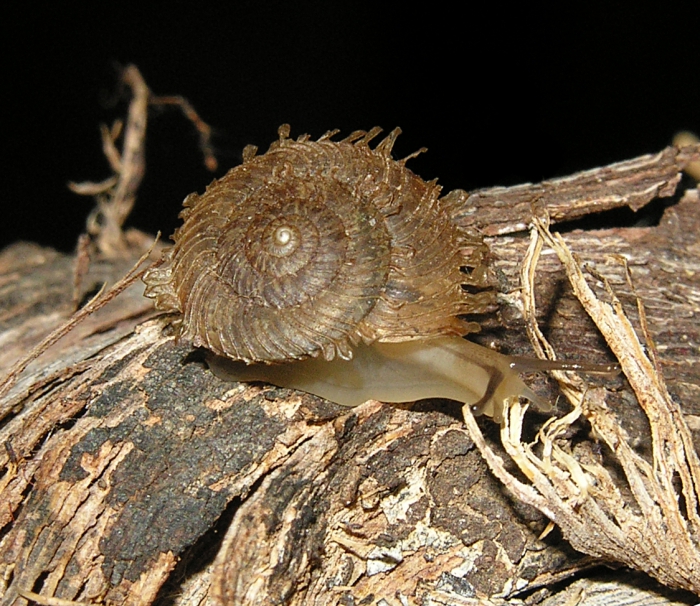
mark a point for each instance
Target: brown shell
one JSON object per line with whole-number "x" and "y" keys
{"x": 314, "y": 246}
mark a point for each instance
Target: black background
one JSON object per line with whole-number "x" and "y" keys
{"x": 498, "y": 95}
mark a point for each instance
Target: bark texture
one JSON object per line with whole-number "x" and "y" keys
{"x": 132, "y": 475}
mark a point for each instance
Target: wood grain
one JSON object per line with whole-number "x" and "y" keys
{"x": 130, "y": 474}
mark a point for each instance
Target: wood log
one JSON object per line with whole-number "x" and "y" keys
{"x": 132, "y": 475}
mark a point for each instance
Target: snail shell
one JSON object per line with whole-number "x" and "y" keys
{"x": 315, "y": 247}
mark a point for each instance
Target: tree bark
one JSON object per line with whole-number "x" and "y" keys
{"x": 132, "y": 475}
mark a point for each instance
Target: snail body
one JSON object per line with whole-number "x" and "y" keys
{"x": 335, "y": 254}
{"x": 442, "y": 367}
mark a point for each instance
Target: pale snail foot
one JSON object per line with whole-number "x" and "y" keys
{"x": 443, "y": 367}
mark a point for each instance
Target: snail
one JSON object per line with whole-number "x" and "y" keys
{"x": 330, "y": 267}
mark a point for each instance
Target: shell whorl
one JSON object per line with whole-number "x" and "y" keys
{"x": 314, "y": 246}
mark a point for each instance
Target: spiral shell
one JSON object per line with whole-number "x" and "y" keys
{"x": 315, "y": 246}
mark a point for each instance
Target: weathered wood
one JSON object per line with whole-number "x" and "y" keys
{"x": 633, "y": 183}
{"x": 133, "y": 475}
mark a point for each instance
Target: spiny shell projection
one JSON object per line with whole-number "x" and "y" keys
{"x": 315, "y": 246}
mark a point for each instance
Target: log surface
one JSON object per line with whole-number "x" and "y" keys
{"x": 133, "y": 475}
